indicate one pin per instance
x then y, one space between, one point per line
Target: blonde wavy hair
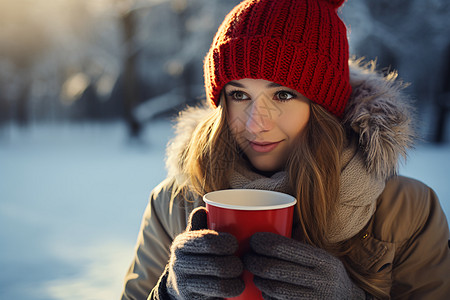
313 169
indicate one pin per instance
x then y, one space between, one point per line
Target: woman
290 113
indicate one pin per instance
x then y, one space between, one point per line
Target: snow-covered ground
71 199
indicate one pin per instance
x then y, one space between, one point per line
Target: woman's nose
260 115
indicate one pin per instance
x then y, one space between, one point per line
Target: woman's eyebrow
236 84
273 84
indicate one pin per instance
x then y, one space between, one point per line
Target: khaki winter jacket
406 240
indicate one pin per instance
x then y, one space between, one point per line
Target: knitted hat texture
300 44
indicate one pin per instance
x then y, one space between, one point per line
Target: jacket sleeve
421 268
161 222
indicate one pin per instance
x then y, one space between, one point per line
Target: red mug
242 212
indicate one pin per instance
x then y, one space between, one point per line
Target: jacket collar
381 116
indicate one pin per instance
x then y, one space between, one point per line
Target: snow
72 197
71 200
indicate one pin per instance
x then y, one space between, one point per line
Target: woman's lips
263 147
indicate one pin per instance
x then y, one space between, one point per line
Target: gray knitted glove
284 268
202 264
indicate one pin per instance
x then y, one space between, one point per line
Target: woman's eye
284 96
238 95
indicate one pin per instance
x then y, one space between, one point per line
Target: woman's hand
202 264
284 268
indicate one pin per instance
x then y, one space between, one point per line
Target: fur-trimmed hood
378 112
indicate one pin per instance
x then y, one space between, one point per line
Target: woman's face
265 118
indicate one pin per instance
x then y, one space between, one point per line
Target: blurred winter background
88 91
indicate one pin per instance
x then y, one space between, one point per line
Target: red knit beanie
300 44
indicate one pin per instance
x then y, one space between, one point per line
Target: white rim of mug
292 201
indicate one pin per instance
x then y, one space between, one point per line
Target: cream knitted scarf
358 192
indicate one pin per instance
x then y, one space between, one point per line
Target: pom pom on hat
300 44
